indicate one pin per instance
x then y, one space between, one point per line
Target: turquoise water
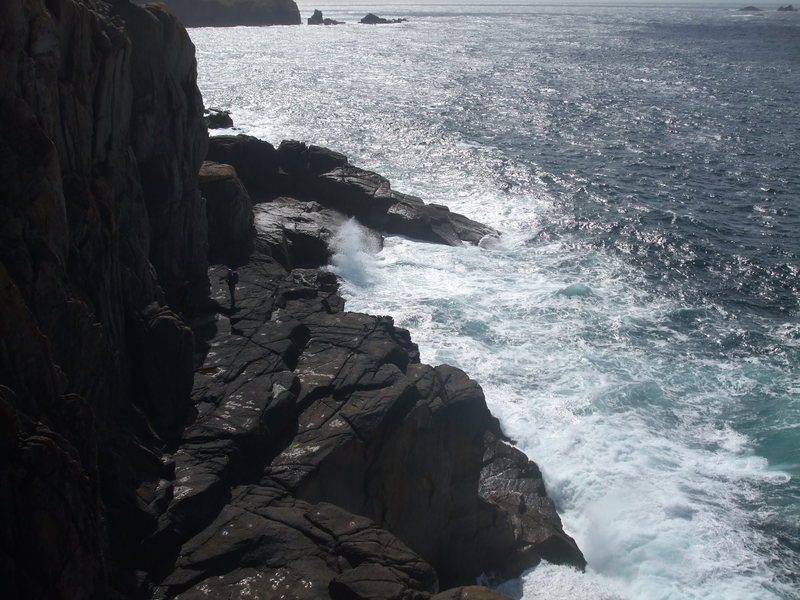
636 330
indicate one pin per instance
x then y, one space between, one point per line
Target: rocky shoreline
160 441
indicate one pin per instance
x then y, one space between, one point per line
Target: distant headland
229 13
787 8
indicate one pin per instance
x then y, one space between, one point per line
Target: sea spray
354 248
647 154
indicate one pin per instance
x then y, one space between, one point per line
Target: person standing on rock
232 278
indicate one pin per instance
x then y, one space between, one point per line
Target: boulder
515 486
218 119
369 197
403 443
299 160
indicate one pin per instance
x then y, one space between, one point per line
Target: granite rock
313 173
229 211
101 136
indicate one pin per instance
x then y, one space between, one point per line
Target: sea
636 328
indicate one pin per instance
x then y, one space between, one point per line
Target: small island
317 19
373 19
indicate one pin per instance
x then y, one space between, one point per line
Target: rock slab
309 172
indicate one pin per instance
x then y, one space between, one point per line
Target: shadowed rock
326 177
229 211
101 134
297 234
256 161
218 119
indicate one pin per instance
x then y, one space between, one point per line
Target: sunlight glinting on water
632 335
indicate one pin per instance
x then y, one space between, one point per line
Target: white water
608 379
651 489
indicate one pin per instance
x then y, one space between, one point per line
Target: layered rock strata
279 445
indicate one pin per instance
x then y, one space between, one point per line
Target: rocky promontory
229 13
160 438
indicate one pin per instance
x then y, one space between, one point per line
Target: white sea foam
617 386
649 480
354 249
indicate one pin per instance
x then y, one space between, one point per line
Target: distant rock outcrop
373 19
228 13
787 8
750 9
317 19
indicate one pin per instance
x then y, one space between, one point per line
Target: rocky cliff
228 13
157 439
101 138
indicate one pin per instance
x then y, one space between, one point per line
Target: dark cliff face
282 438
101 138
229 13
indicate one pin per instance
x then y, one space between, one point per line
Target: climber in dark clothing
232 278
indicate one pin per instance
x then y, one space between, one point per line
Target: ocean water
636 329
